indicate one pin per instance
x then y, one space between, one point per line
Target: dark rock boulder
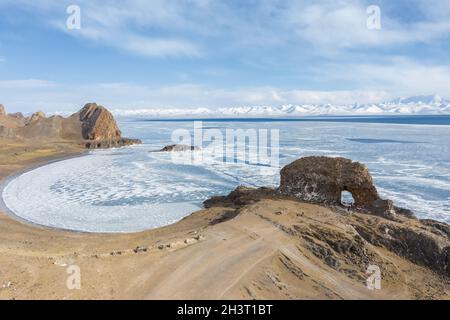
178 148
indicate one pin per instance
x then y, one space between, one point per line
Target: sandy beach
204 256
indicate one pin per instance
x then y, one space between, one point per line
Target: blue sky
213 53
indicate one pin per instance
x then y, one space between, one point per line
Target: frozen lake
133 189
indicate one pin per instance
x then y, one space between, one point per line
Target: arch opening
347 199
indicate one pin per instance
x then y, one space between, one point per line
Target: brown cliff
93 126
98 123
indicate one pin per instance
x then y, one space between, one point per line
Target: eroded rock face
416 241
2 110
100 129
323 179
98 123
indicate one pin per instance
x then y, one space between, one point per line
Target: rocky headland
370 225
92 127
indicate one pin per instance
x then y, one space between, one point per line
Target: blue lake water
133 189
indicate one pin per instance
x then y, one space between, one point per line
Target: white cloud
148 28
136 26
182 28
336 25
49 96
160 47
132 96
398 75
134 43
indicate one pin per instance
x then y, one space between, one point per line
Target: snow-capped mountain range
419 105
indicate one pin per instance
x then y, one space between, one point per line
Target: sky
220 53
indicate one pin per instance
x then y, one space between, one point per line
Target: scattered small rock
178 148
200 237
139 249
190 241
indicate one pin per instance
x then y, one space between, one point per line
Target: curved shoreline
8 179
4 183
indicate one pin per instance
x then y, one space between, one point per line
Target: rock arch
347 198
323 179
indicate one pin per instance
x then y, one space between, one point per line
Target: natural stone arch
323 179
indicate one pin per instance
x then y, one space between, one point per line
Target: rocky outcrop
179 148
416 241
323 179
10 121
100 129
93 126
36 117
98 123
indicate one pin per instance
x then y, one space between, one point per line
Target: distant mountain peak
417 105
